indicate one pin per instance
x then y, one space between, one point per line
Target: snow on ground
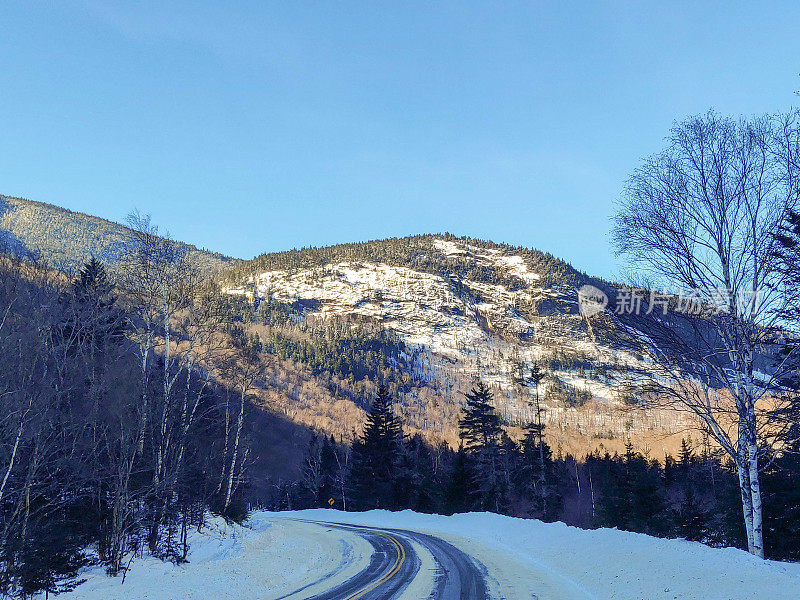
530 559
267 559
523 559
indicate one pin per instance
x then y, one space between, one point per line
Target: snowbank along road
394 565
329 554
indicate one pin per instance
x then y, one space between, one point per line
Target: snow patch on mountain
461 326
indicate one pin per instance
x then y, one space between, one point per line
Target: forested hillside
67 239
444 311
418 252
127 415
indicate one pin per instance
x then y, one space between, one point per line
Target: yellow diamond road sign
330 501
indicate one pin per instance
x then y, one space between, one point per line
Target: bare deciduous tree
242 370
701 216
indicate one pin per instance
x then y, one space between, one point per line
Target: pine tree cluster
693 496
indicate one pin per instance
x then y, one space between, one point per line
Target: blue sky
251 126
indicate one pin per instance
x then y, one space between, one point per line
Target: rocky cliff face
483 312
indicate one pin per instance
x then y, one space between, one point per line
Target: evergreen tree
633 495
479 426
538 479
480 431
319 470
375 457
94 320
693 519
416 487
51 560
457 493
329 465
92 281
782 486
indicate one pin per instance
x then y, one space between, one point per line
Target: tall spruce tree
537 471
632 495
693 518
482 436
538 476
376 455
319 472
92 281
95 320
782 482
479 426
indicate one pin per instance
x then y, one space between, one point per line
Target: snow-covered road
299 555
395 566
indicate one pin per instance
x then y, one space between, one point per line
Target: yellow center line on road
401 557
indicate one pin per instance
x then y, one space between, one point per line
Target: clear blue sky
246 127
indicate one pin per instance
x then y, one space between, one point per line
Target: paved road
458 576
394 564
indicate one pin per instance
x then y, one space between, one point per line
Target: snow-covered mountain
467 309
460 321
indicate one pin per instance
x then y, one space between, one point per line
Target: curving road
394 564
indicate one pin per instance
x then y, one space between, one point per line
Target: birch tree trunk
235 451
227 442
145 353
755 500
166 388
13 456
743 471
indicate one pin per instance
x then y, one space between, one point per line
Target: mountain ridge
428 313
67 238
463 309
